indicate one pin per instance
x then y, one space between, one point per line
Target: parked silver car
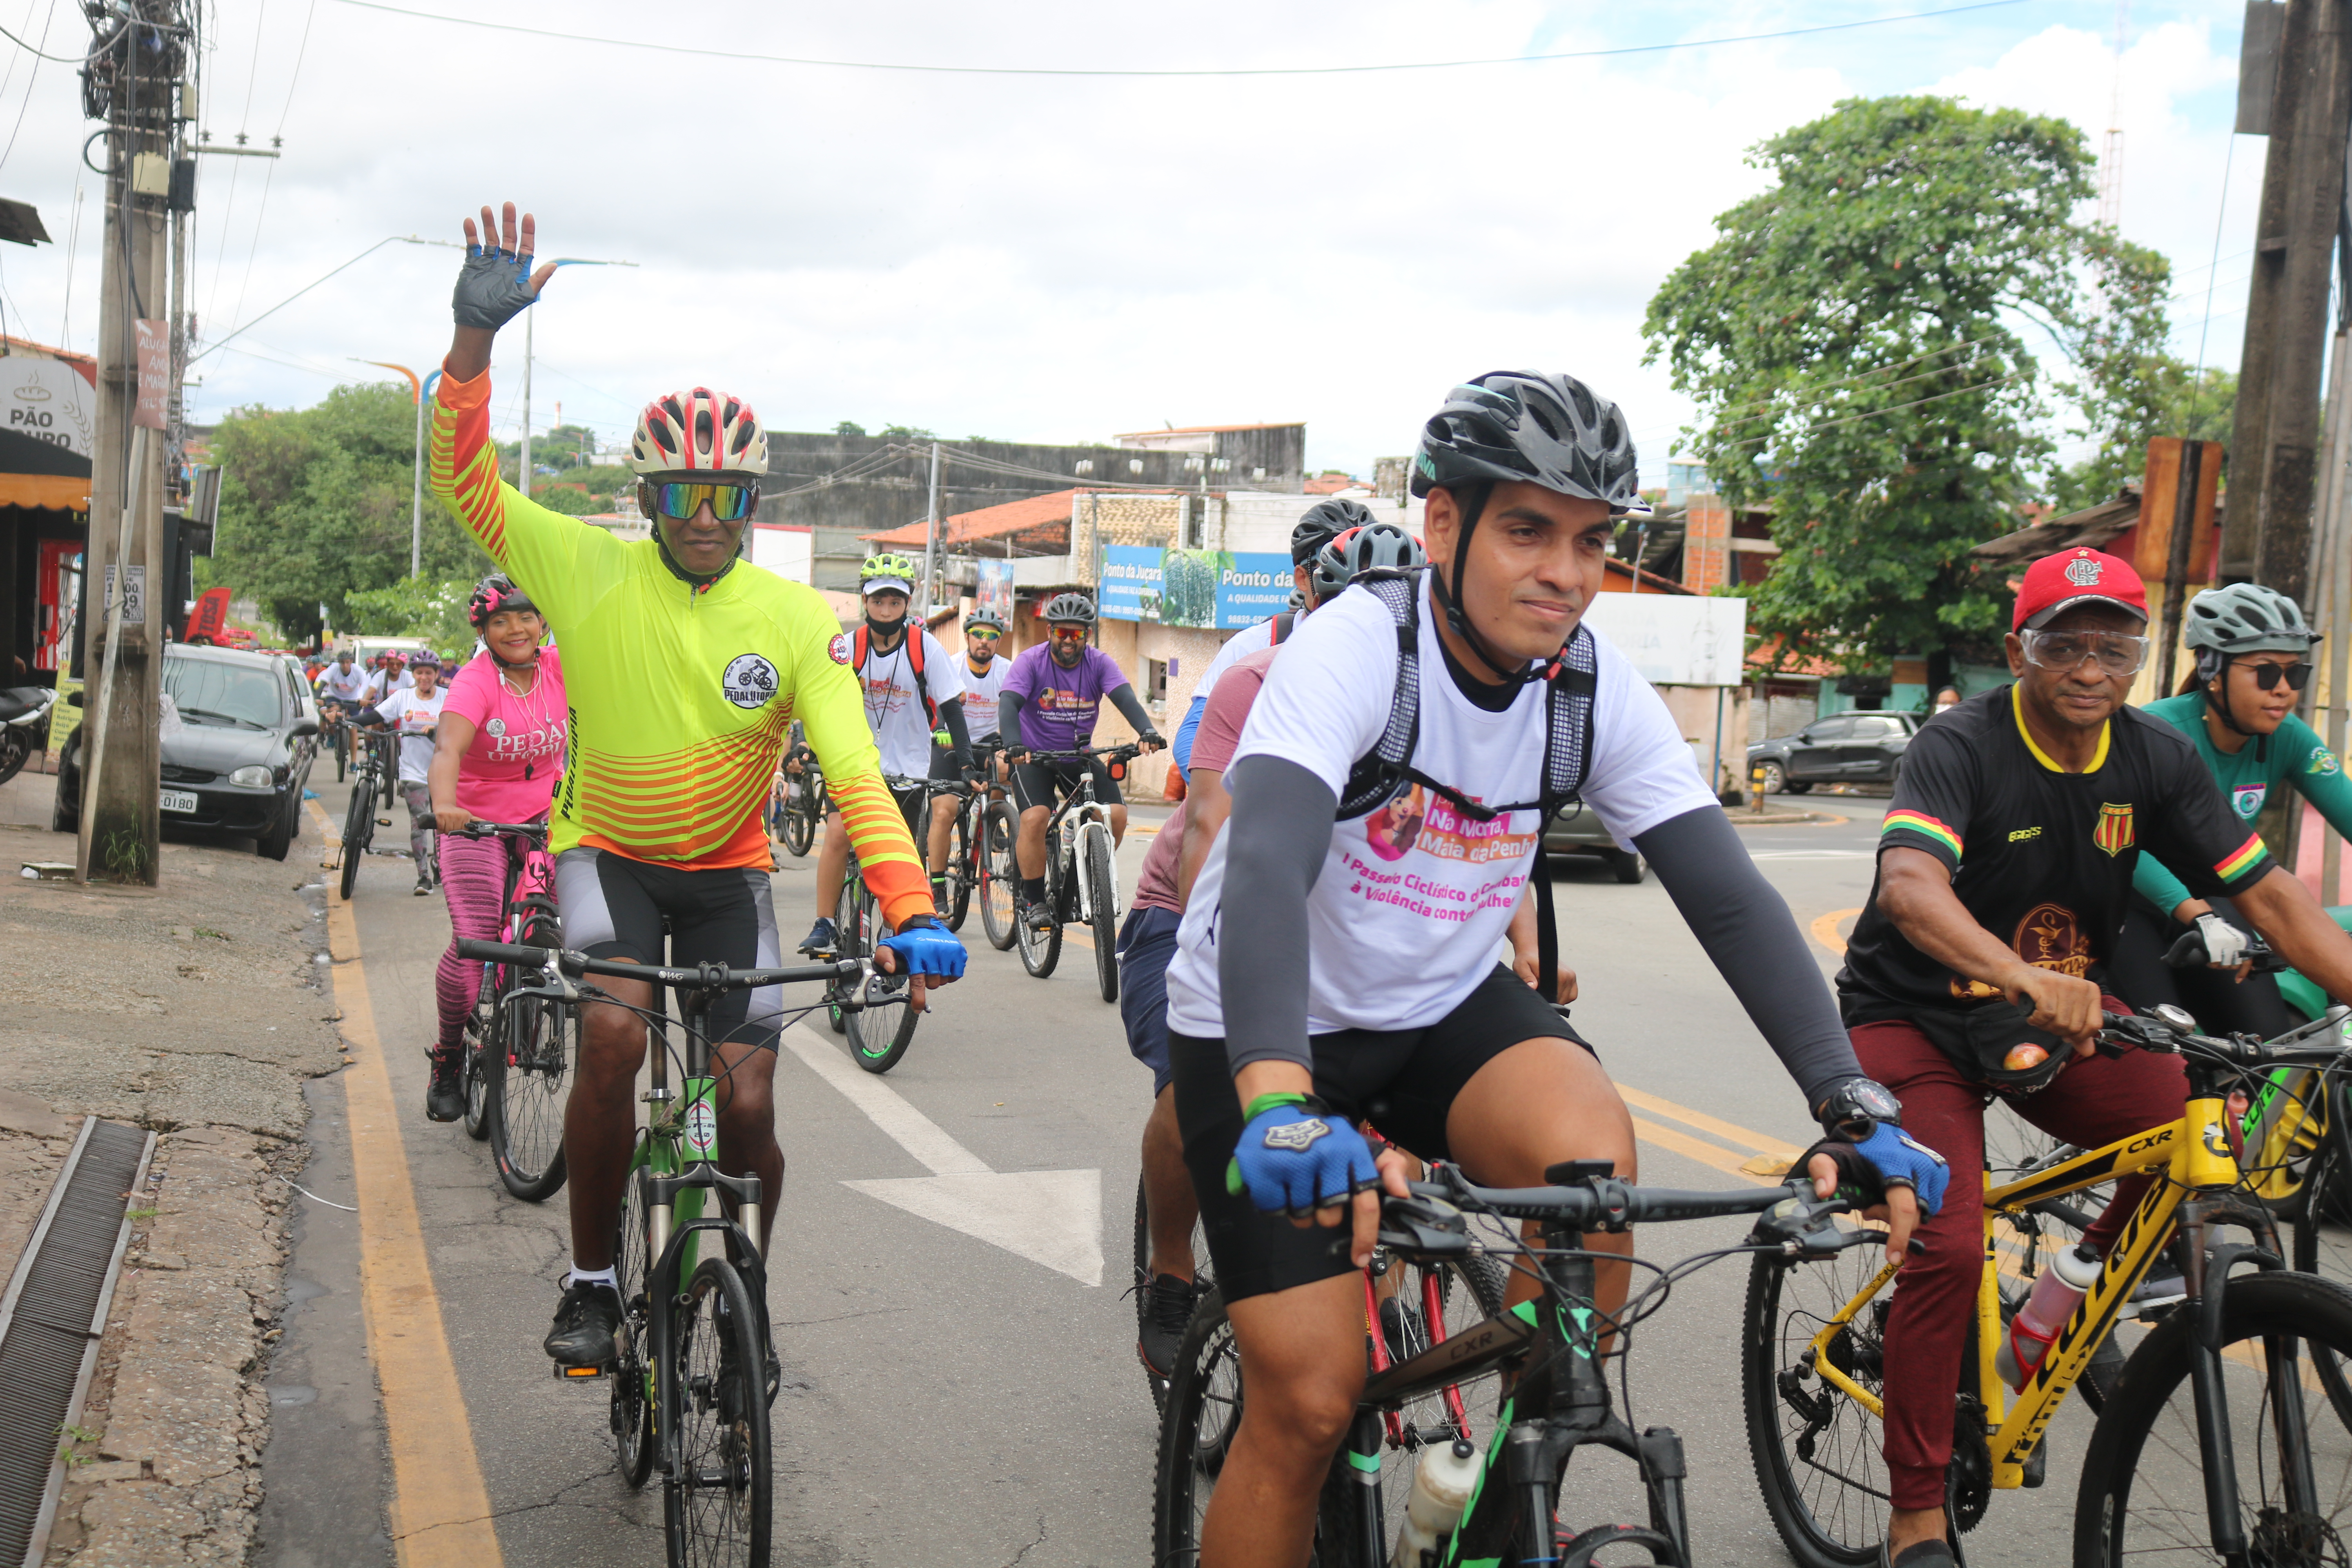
1576 831
1862 747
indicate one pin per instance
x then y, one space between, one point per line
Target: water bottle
2055 1296
1440 1491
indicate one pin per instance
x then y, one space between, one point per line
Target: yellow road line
1754 1142
1825 929
1705 1153
440 1508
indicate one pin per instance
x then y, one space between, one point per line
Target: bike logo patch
2323 761
497 727
2113 833
2247 799
838 649
702 1127
1295 1136
750 680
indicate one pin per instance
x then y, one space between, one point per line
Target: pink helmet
698 432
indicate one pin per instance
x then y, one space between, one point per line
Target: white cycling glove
2225 944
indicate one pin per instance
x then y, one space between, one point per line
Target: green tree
1857 342
849 427
419 606
2167 398
315 507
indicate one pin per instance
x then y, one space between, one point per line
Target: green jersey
2293 754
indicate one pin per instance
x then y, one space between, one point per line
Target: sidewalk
194 1009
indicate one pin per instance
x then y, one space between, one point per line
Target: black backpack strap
1282 627
1378 773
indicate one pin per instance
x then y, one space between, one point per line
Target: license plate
179 800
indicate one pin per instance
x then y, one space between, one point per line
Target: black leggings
2219 1005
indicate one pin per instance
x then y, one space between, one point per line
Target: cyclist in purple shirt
1048 704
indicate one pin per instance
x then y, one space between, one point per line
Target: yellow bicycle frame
2187 1164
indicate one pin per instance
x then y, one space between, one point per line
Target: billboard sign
1672 639
995 590
1206 588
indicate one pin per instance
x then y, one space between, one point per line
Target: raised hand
494 285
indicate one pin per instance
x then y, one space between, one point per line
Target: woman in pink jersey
500 751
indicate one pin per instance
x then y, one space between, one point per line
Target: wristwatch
1857 1104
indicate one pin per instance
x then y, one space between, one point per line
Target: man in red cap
2004 870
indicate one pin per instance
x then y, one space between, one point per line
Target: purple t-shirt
1058 706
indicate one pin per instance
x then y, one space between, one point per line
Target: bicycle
360 820
517 1072
859 929
801 806
1414 1399
1077 834
335 730
689 1379
1812 1354
968 868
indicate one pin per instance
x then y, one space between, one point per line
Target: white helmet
700 433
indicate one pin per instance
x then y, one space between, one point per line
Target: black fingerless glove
493 288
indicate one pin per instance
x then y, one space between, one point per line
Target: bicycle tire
477 1088
1042 950
1203 1279
1842 1524
1197 1424
879 1037
531 1086
960 863
718 1504
845 935
2326 1180
1102 895
1000 875
2151 1399
359 826
632 1404
800 818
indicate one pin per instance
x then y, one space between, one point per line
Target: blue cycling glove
1294 1157
927 948
1888 1157
493 288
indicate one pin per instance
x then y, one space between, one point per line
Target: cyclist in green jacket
2252 649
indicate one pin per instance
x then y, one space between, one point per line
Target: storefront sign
1206 588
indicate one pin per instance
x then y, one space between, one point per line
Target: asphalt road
949 1400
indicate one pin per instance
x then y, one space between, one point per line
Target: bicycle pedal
580 1373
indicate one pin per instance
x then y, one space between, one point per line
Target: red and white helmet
698 432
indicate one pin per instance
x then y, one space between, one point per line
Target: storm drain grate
50 1321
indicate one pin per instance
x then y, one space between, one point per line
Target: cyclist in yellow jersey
685 668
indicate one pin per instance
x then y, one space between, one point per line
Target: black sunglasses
2266 675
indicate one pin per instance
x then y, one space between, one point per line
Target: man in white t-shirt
345 681
1328 963
913 694
414 715
982 674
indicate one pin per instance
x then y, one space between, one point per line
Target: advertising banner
1673 640
994 591
1131 583
1251 588
1204 588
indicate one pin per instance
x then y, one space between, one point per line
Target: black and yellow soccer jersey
2042 859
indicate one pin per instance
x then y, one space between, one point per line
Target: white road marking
1813 855
1050 1217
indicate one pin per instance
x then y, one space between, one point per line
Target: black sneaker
424 885
1165 1314
1918 1554
821 941
582 1334
1039 916
445 1094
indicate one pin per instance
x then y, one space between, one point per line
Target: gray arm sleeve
1275 839
1130 708
1008 718
959 732
1745 928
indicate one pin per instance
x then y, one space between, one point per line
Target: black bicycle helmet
1069 607
1321 524
1360 550
492 595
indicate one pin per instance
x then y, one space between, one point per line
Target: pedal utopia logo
702 1127
750 682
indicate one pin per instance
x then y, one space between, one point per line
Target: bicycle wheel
959 869
477 1079
800 818
1102 895
847 940
999 874
1814 1448
1197 1424
531 1084
2143 1477
632 1405
879 1037
1041 949
2322 1245
1203 1279
359 826
715 1505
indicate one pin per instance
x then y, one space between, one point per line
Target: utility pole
141 55
2274 448
930 538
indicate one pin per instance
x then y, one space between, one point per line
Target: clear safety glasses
2116 653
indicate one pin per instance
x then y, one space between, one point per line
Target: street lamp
523 467
419 390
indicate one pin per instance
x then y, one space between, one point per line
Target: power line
61 59
1881 412
30 82
268 178
1249 71
244 123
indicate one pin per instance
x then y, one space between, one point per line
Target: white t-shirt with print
345 686
1404 917
412 717
980 694
902 730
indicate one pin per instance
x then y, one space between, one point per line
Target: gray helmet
1298 602
1069 608
2245 617
985 617
1374 546
1524 425
1321 524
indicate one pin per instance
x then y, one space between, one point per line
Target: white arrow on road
1053 1217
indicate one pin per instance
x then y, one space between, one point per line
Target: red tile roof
989 522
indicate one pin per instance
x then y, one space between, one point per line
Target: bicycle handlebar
1108 753
703 977
1431 1222
537 830
2177 1034
2188 953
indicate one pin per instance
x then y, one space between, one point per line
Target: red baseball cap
2056 583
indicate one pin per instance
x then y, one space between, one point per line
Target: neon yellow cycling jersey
681 698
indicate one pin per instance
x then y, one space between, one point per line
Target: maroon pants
2095 1100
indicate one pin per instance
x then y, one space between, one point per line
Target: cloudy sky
1057 259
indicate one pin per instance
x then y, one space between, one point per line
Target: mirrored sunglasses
729 503
986 633
1068 634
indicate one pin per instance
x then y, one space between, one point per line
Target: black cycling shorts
613 907
1035 782
1403 1081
